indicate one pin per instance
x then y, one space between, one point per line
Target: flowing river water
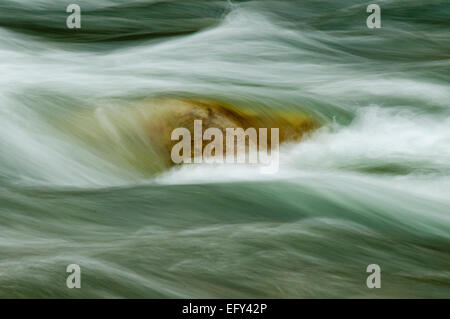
370 186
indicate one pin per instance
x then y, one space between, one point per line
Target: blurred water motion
80 183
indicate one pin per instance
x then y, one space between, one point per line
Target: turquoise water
371 186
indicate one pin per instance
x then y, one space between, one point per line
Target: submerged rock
139 134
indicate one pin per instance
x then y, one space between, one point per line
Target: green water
371 186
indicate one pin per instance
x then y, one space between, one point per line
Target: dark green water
371 186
